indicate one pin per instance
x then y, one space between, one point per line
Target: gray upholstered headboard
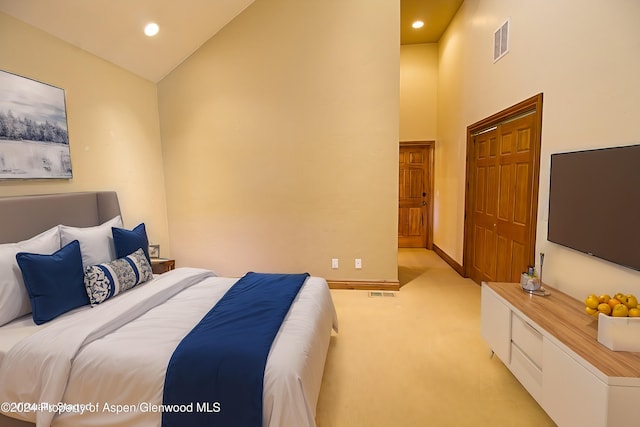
22 217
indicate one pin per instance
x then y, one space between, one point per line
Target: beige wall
112 118
418 92
280 142
582 56
280 135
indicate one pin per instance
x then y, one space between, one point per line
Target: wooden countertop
565 318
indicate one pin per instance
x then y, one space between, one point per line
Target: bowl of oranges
619 305
618 320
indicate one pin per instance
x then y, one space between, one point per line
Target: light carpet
417 359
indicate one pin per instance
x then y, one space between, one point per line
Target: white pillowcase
14 299
96 243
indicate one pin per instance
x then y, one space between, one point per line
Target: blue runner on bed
217 370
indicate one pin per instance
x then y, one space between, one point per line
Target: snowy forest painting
34 142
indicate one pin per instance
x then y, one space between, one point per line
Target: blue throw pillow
55 283
128 241
104 281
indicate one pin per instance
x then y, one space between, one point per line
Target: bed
105 365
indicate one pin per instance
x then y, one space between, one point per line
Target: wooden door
415 196
502 199
484 262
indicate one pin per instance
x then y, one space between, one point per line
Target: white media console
550 345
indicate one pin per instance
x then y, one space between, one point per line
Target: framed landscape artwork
34 142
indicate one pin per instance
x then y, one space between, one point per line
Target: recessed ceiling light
417 24
151 29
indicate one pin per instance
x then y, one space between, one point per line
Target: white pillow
14 299
96 243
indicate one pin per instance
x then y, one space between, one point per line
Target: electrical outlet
358 263
334 263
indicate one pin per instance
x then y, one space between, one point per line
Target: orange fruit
604 298
604 308
634 312
631 301
613 302
592 301
620 310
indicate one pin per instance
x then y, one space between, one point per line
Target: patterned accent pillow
104 281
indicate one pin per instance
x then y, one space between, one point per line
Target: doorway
415 195
503 167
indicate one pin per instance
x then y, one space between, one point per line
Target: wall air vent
381 294
501 41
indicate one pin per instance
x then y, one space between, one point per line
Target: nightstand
162 265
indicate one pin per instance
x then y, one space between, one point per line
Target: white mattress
127 366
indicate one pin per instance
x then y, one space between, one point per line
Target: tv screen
594 203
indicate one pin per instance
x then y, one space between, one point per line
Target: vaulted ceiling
112 29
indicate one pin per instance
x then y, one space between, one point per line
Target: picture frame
34 139
154 251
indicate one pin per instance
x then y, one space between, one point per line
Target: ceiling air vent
501 41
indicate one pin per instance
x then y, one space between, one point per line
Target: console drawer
527 339
529 375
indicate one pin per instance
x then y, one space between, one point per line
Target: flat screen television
594 203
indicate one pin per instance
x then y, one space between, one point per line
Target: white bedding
116 354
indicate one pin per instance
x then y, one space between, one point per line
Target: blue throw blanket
215 376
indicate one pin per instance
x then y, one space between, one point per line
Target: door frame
430 147
527 106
